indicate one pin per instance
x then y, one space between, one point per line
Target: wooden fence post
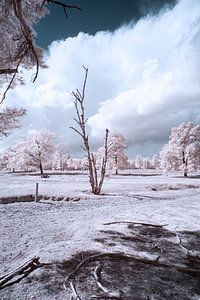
36 192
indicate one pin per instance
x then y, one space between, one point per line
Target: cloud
143 79
167 92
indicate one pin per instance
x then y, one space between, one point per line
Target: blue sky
96 15
143 73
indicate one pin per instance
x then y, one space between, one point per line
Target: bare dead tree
96 177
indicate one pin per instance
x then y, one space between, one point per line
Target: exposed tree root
74 296
135 223
29 266
121 256
83 262
117 295
108 294
20 272
193 256
74 292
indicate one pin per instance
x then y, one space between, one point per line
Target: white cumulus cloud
167 90
143 79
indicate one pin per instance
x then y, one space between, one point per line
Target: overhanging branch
8 71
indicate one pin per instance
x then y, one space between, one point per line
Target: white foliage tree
74 164
139 162
193 152
10 119
39 149
170 159
17 45
34 151
131 164
60 157
18 38
182 151
16 157
154 162
2 163
117 159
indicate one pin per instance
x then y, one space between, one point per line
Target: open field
63 233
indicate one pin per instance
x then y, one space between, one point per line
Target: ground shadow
153 266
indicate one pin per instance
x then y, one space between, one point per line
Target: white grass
56 230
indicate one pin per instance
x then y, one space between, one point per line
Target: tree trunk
41 170
116 163
185 164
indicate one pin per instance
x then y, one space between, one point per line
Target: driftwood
20 271
135 223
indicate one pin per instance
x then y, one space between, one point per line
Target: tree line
39 152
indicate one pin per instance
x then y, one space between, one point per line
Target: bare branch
83 148
76 131
8 71
8 87
28 34
79 94
11 81
63 5
84 84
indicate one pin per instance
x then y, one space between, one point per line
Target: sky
143 60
